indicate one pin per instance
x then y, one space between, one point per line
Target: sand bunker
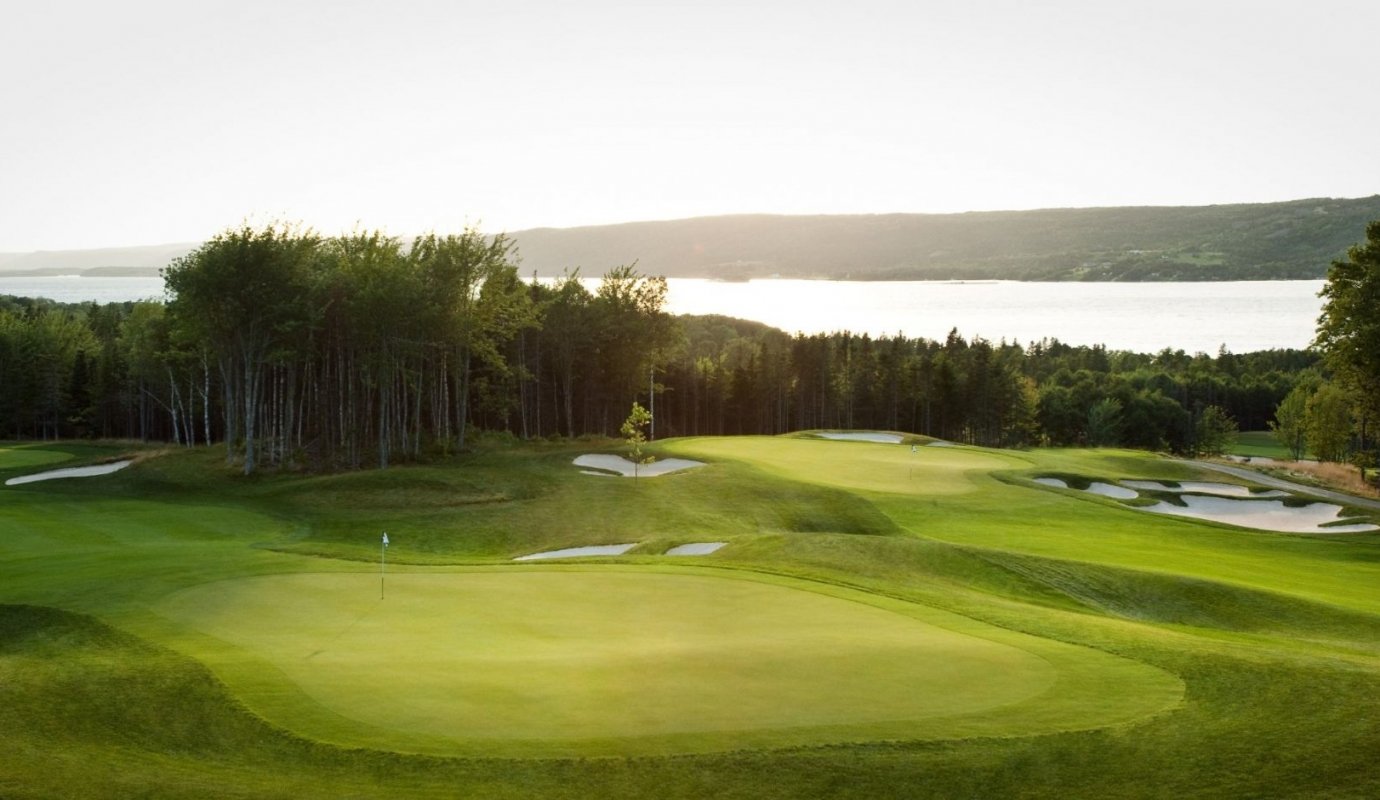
1232 505
1205 487
862 436
577 552
695 549
1096 487
624 467
70 472
1265 515
690 549
1108 490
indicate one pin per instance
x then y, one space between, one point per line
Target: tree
1349 328
143 339
566 330
246 290
483 305
1057 415
383 310
638 419
1290 424
1104 423
632 332
1329 422
1214 431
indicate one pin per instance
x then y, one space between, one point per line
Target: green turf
1259 444
865 466
18 459
130 664
625 660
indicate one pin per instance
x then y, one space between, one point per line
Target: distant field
882 623
1259 444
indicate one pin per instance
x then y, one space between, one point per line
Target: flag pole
383 562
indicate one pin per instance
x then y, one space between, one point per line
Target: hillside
1292 240
1262 241
107 261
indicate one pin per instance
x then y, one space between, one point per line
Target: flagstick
383 562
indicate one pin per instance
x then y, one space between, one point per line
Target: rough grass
1273 636
1341 477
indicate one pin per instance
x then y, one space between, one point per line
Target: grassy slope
1273 635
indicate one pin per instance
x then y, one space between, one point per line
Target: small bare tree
638 419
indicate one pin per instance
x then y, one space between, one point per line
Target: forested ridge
323 353
1249 241
1256 241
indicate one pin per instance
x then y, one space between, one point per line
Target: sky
147 122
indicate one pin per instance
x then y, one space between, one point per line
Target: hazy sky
144 122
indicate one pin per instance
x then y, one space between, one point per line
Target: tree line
361 350
736 377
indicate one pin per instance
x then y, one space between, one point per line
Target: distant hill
109 261
1291 240
1259 241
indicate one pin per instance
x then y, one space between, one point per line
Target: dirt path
1297 488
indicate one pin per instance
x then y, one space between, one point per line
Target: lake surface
1144 317
1243 316
81 289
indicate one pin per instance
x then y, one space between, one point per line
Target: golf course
884 619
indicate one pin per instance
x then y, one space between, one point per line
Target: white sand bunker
624 467
578 552
1096 487
690 549
1265 515
1205 487
70 472
1234 509
861 436
1114 492
695 549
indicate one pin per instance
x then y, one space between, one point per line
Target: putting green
22 457
866 466
589 661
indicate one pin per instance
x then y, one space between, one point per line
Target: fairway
547 662
865 466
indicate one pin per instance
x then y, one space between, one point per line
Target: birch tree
247 290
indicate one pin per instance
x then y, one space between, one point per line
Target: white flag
385 539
